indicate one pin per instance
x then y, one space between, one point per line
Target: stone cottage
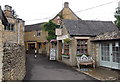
35 37
107 49
65 13
80 32
12 52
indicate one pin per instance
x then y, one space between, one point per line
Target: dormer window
10 27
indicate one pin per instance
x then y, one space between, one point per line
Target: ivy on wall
50 28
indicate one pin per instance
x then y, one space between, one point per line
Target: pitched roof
3 18
33 27
66 13
88 27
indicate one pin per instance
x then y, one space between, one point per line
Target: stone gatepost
1 50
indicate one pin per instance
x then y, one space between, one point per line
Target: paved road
43 69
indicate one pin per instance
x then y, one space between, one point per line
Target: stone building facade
81 33
65 13
106 48
12 52
35 38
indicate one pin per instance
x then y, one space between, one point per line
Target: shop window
82 46
116 52
66 48
105 52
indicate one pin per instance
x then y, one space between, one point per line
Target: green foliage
67 40
79 55
50 27
54 43
117 21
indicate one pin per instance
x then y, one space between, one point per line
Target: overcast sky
36 11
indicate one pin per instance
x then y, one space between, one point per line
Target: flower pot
65 56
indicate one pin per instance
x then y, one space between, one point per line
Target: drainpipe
18 31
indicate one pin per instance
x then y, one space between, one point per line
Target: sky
37 11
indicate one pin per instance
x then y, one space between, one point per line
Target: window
105 52
82 47
66 48
10 27
38 33
116 52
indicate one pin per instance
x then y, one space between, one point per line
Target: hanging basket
67 40
53 42
66 56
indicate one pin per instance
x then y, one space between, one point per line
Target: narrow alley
44 69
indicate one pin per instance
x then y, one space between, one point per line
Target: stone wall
108 36
115 35
32 36
1 50
13 62
12 52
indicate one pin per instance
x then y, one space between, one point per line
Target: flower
82 54
62 52
67 54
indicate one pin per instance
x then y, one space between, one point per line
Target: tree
117 16
117 21
50 27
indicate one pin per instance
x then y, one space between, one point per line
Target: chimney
66 5
7 7
8 11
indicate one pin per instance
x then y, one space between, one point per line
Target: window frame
82 46
10 27
38 34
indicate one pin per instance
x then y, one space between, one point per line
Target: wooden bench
84 60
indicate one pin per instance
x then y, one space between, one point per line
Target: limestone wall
12 52
96 45
32 36
1 50
13 62
108 36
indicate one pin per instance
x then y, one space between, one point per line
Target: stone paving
43 69
101 73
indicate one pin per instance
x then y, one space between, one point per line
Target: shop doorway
31 47
60 50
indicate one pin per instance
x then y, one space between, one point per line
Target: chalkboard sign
52 54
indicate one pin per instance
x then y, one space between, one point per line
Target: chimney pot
66 5
7 7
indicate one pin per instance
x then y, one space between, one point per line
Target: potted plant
66 55
67 40
79 55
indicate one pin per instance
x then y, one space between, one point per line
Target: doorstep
100 73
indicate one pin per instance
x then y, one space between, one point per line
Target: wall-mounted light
116 44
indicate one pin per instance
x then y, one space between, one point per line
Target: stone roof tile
88 27
33 27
